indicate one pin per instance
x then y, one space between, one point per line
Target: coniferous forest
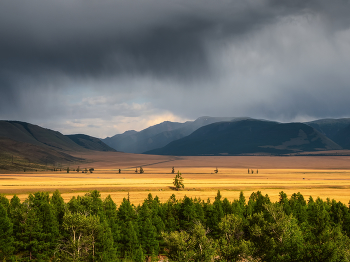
88 228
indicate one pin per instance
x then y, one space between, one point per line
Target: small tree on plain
67 169
173 170
248 171
178 181
78 169
216 170
120 171
136 170
141 170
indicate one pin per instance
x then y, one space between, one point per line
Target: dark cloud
270 59
113 37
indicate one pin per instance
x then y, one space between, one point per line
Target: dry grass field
323 176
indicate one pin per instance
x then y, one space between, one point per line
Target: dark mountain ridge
248 137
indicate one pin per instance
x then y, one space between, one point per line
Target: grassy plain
319 176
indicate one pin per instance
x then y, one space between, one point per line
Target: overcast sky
104 67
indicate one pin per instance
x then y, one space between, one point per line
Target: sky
103 67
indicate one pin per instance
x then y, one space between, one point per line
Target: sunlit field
200 182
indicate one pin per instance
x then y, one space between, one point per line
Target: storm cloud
102 67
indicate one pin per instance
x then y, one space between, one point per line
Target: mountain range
160 135
204 136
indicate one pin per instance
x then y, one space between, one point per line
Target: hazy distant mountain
249 136
136 142
90 142
330 127
159 135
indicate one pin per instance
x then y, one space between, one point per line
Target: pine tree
214 213
299 207
46 214
187 213
110 211
4 201
6 235
129 239
178 181
30 238
105 249
139 256
285 203
15 214
126 212
148 237
148 232
58 205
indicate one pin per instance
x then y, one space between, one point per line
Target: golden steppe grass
317 176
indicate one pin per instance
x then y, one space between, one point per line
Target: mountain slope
36 135
159 135
330 127
26 153
90 142
34 144
342 137
136 142
249 136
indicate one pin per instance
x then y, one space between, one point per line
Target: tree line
88 228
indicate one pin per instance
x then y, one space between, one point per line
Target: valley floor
318 176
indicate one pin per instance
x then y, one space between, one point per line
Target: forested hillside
44 228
